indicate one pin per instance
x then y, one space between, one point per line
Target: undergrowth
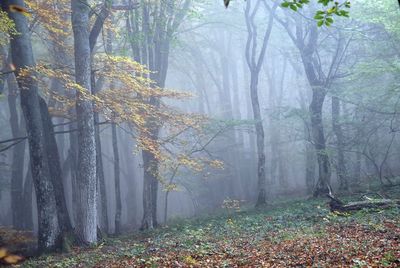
287 234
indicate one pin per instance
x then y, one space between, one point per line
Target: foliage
124 99
325 16
52 17
7 28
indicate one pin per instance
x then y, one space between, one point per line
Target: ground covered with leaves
291 234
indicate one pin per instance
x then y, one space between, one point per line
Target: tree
17 168
154 28
254 63
22 58
86 225
320 75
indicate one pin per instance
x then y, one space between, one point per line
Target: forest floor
287 234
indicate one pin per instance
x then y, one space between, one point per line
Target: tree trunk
55 169
310 167
118 207
150 171
155 47
337 205
22 56
17 165
166 207
73 163
95 88
262 187
86 225
154 193
4 58
254 63
27 197
100 176
317 129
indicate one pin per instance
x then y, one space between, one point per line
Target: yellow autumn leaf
13 259
3 252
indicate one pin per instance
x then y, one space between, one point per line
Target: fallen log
337 205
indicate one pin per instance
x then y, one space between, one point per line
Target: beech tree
22 57
86 225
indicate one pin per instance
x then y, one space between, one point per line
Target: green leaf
331 10
293 7
319 23
324 2
285 4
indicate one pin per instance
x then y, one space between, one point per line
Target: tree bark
27 197
118 207
73 152
310 167
86 225
262 187
22 57
317 130
100 176
150 171
55 170
94 33
18 158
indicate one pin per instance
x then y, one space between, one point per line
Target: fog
248 105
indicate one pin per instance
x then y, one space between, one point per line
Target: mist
121 117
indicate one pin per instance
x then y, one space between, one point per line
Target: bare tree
254 61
